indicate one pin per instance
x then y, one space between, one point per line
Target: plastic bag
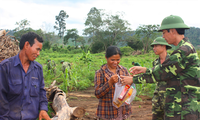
132 96
123 94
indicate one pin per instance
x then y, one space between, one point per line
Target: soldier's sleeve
63 68
137 64
169 69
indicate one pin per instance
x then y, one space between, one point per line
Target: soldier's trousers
158 104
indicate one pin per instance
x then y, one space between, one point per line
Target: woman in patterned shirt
105 79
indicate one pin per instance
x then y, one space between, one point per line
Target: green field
83 71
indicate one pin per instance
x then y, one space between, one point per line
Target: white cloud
154 11
137 12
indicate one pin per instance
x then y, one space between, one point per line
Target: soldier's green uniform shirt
49 65
160 85
158 100
65 66
181 71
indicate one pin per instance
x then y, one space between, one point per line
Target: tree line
101 30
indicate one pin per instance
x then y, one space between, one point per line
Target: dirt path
87 100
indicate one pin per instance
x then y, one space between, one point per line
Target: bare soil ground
87 100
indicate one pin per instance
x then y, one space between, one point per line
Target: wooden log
61 107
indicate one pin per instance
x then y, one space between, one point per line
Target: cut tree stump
62 109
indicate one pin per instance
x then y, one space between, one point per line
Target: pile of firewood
9 46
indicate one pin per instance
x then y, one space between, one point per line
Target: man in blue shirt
22 94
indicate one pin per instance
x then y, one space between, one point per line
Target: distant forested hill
194 35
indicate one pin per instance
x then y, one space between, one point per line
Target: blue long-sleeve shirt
22 94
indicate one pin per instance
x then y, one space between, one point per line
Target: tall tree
117 28
147 33
94 22
60 23
134 42
22 25
21 28
81 40
105 28
71 34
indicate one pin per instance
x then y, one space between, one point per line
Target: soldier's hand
126 80
137 70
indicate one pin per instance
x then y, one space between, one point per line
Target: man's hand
137 70
43 115
126 80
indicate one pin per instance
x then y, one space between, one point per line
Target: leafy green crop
83 68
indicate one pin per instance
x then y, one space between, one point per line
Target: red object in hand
123 93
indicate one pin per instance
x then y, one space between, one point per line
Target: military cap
161 41
48 59
136 64
171 22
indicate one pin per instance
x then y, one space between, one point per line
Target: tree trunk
60 105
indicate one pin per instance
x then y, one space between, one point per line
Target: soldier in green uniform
54 67
48 64
160 47
51 66
181 71
135 64
66 65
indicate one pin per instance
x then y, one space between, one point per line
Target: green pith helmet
61 61
171 22
48 60
161 41
136 64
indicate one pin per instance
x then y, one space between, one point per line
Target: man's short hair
30 36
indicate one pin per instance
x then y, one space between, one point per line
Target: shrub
97 47
55 47
75 51
127 50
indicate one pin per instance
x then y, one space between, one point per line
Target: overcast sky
41 13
